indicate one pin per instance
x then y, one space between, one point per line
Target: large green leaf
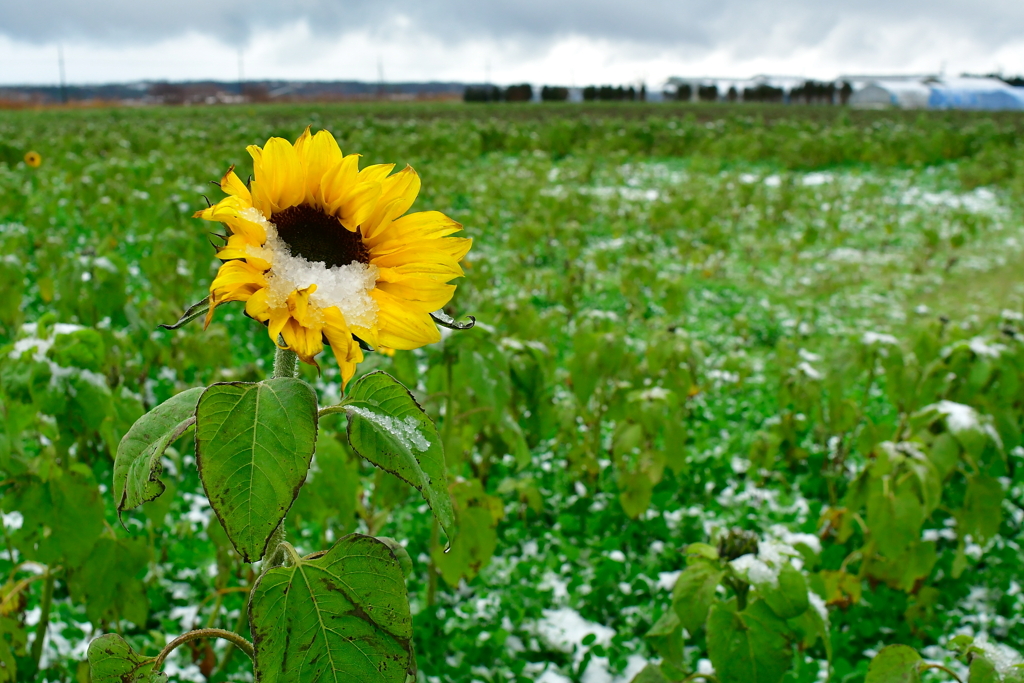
895 664
109 584
137 467
666 638
63 516
112 660
895 518
788 599
387 427
343 616
331 490
477 515
650 674
982 511
254 443
693 593
749 646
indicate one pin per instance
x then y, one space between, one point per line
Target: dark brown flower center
315 236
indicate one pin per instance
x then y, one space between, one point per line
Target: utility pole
63 80
241 75
380 77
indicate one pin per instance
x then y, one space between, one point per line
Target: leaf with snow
389 428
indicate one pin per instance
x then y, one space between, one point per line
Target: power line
63 80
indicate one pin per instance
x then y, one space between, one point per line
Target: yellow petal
367 334
301 141
419 294
229 212
232 185
338 182
433 264
234 274
298 303
234 249
401 326
414 227
260 199
345 349
320 155
358 205
235 281
257 306
276 320
401 188
381 218
304 341
376 173
280 175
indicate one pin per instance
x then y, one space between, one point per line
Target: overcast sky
570 42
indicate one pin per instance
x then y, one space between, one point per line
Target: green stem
275 548
330 410
286 363
237 640
292 558
925 667
230 649
44 618
706 677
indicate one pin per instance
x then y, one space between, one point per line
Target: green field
801 322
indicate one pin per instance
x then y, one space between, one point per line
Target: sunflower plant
322 253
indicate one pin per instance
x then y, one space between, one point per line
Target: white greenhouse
938 93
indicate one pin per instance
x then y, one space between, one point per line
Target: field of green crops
744 401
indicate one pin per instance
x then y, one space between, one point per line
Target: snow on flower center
346 286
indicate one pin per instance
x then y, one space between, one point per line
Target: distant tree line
608 93
493 93
552 93
1017 81
808 92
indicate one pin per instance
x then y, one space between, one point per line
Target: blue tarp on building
975 93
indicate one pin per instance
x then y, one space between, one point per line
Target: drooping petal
345 349
298 303
257 306
304 341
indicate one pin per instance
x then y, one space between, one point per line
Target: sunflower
33 159
323 252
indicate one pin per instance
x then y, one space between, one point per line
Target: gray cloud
745 26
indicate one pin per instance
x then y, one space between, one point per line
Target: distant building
889 94
934 92
975 93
